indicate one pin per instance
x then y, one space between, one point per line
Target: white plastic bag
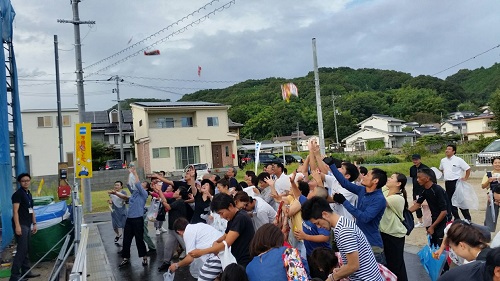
465 197
153 210
168 276
226 257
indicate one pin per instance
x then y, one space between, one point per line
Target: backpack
406 220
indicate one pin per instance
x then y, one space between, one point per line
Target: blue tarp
51 211
7 17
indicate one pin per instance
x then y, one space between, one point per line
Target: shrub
381 160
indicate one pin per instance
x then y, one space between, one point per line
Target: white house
170 135
454 126
299 138
41 139
379 127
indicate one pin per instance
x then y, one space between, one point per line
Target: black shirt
468 272
233 183
241 223
201 207
436 198
178 210
413 175
25 201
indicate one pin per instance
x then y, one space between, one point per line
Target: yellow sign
83 151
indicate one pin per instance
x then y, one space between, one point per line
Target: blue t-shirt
311 229
268 266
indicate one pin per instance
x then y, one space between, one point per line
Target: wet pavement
136 271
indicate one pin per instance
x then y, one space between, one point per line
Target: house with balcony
380 129
480 125
41 139
170 135
105 129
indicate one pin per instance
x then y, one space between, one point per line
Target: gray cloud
250 40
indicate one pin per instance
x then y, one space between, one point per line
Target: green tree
100 153
495 108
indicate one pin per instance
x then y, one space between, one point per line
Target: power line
151 87
153 35
176 80
179 31
471 58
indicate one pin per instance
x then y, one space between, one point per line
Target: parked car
201 169
486 155
114 164
291 158
264 158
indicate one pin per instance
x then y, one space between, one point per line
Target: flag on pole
287 90
257 152
199 71
40 186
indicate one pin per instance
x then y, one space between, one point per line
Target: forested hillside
425 99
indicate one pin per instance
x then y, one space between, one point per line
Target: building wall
140 130
42 144
478 125
376 123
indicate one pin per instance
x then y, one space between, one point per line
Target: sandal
144 262
117 238
124 263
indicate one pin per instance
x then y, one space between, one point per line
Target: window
165 122
66 120
187 122
227 151
116 139
161 152
140 123
45 122
213 121
186 155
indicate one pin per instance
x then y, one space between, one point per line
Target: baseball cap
415 156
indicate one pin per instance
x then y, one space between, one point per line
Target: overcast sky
251 39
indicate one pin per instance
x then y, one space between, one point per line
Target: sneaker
158 232
182 255
163 230
419 224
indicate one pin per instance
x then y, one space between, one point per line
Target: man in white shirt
282 183
351 173
196 236
453 167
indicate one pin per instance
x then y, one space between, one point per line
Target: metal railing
469 158
79 270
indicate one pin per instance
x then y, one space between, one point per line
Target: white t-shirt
453 167
262 214
200 236
335 187
282 184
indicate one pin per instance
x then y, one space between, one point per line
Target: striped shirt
350 239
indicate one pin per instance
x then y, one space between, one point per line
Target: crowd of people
327 220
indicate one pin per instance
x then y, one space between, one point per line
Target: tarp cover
7 17
51 211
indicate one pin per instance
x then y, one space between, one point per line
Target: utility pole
117 91
58 94
81 99
318 100
335 119
78 57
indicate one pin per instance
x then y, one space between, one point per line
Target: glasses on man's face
26 181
